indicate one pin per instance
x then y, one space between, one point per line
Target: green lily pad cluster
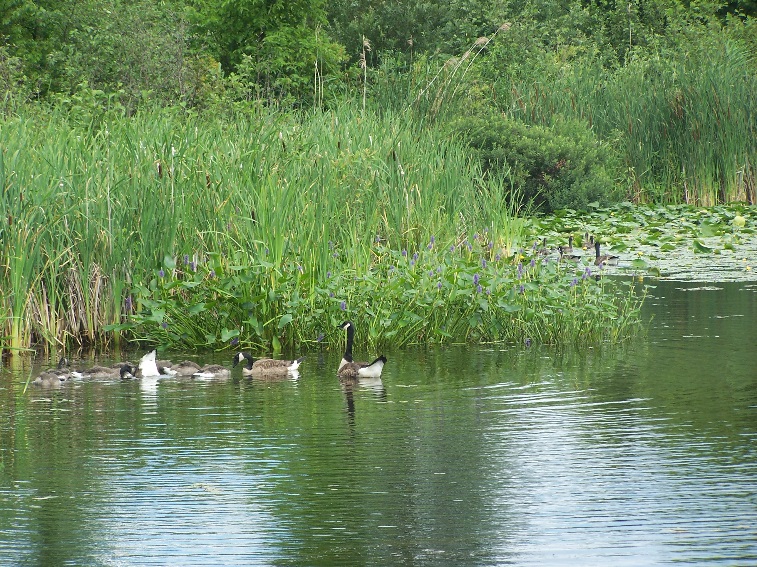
680 241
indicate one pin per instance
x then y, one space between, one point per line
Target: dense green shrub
562 166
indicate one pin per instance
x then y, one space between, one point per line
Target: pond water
641 454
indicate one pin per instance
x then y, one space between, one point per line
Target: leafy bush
14 88
562 166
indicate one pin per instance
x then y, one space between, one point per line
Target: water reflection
634 455
373 386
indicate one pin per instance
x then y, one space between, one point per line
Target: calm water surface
644 454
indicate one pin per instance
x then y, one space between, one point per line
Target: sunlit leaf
285 320
228 334
700 247
197 308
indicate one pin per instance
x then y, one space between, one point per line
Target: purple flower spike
528 342
483 263
475 279
479 289
235 341
186 259
404 252
328 274
497 258
162 273
412 262
452 248
415 256
266 251
127 303
331 294
193 266
212 273
439 285
319 338
533 262
522 289
343 306
574 283
164 325
431 273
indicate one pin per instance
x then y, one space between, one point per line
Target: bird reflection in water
350 386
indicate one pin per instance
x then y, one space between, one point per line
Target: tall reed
94 206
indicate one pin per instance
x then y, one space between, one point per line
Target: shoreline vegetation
299 227
249 202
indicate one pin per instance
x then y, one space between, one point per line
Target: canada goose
212 371
566 249
588 241
101 371
62 370
543 251
128 371
165 367
47 380
147 367
606 259
185 368
266 365
565 257
54 376
350 369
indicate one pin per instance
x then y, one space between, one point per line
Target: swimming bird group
149 367
588 243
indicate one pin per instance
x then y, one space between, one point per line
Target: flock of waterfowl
149 367
567 254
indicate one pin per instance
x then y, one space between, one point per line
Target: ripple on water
635 455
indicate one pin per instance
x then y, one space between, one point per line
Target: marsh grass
174 230
92 205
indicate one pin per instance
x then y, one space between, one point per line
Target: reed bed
100 214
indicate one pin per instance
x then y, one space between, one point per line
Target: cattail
451 62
